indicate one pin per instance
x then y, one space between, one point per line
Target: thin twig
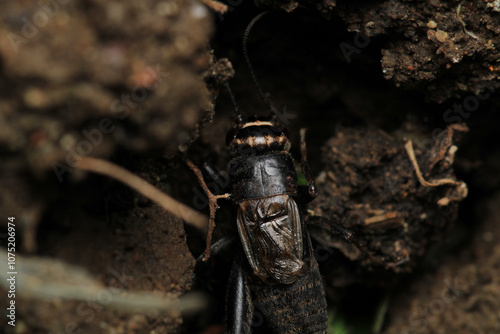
381 218
433 183
107 168
471 34
212 205
216 6
461 186
42 278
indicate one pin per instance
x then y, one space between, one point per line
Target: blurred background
138 83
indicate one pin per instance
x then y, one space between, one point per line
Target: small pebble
431 24
441 35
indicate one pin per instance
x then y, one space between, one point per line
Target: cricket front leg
311 192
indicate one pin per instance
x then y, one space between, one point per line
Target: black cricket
284 282
280 276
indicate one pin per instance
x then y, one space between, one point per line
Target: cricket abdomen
299 307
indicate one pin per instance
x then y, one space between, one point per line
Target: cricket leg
312 191
239 306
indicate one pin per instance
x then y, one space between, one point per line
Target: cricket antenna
233 100
269 107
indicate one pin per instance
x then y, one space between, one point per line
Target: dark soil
134 83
